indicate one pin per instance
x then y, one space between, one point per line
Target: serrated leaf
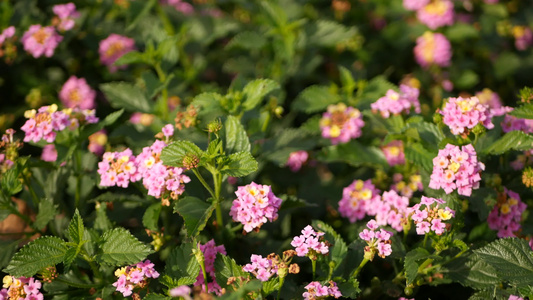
472 272
256 90
514 140
270 285
314 99
168 50
120 247
226 267
417 154
76 229
411 265
430 134
195 213
236 137
247 40
240 164
173 154
110 119
373 90
126 95
353 153
7 249
278 148
209 102
350 288
102 222
132 57
37 255
328 33
10 183
47 212
70 256
512 259
347 80
523 112
338 249
182 263
151 216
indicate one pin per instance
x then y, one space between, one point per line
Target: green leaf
523 112
151 216
173 154
314 99
348 83
236 137
514 140
429 134
10 183
110 119
47 212
247 40
102 222
328 33
473 272
37 255
154 296
411 265
70 256
461 31
226 267
506 64
420 156
140 13
120 247
76 229
271 285
373 90
338 249
353 153
209 102
7 249
256 90
126 95
350 288
168 50
512 259
182 264
133 57
195 212
279 148
240 164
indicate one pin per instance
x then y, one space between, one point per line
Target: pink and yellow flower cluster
134 276
340 123
396 103
428 216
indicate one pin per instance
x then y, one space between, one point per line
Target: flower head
436 13
463 114
112 48
506 215
358 200
429 215
40 40
21 288
77 93
210 251
315 290
309 243
66 15
378 242
134 277
391 210
340 123
433 49
297 159
255 205
395 103
394 153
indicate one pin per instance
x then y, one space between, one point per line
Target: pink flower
210 251
437 13
433 49
49 153
315 290
429 215
77 93
463 114
297 159
394 153
97 142
506 215
259 202
40 40
168 130
396 103
66 13
181 291
414 4
513 297
523 37
7 33
391 210
340 123
377 241
308 244
179 5
112 48
134 276
358 200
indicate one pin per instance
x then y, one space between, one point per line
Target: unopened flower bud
479 129
527 177
190 161
214 126
437 118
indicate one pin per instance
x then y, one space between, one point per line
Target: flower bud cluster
134 276
357 199
378 241
395 103
340 123
391 210
264 267
255 205
507 214
315 291
456 168
44 123
210 251
463 114
15 288
309 243
428 216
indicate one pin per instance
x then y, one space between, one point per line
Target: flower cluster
429 217
112 48
507 214
357 198
48 120
394 153
523 37
436 13
264 267
315 290
97 142
340 123
65 16
255 205
463 114
297 159
405 188
391 210
21 288
134 276
7 33
49 153
395 103
378 241
7 47
118 168
181 291
433 49
456 168
210 251
514 297
77 93
511 123
309 243
39 40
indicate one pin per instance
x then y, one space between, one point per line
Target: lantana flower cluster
112 48
77 93
134 276
310 243
340 123
456 168
44 123
66 15
39 40
394 153
428 216
397 102
357 198
15 288
210 250
506 215
315 290
463 114
433 49
391 210
255 205
407 188
432 13
8 50
265 267
512 123
523 37
377 241
297 159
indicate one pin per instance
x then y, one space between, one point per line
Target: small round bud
408 290
527 177
278 111
479 129
437 118
214 126
190 161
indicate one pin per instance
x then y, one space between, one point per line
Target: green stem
77 196
361 265
93 266
169 28
217 179
204 183
204 272
313 264
426 263
164 93
281 281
